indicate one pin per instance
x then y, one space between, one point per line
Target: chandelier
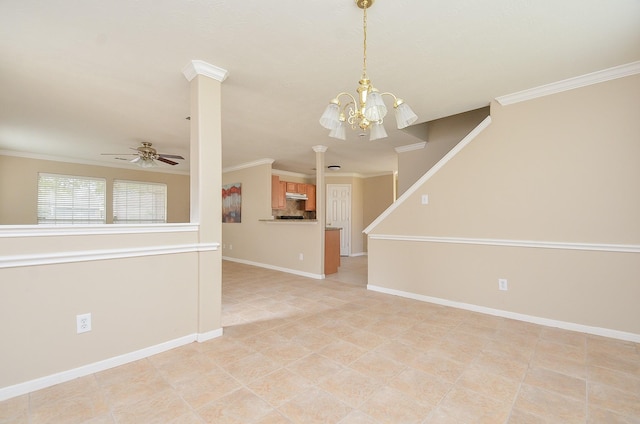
368 112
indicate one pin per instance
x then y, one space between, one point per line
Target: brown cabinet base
331 251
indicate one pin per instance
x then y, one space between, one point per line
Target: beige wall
442 135
274 244
279 244
563 169
135 302
377 197
19 187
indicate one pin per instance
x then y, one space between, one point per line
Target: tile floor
297 350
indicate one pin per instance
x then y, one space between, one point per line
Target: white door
339 213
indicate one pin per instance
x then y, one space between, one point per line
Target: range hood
295 196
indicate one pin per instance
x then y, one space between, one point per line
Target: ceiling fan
147 155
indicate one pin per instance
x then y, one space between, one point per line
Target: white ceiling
84 77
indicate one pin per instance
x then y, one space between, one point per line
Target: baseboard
598 331
209 335
275 268
64 376
359 254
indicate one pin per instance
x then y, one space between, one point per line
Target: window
139 203
64 199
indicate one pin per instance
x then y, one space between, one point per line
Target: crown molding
200 67
291 173
123 165
246 165
410 147
571 83
380 174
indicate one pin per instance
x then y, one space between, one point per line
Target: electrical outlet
83 323
231 247
502 284
301 256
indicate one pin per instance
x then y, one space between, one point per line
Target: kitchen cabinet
278 189
292 187
331 250
310 203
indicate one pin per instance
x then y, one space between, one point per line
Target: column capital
200 67
319 148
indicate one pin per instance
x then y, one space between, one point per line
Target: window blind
66 199
136 202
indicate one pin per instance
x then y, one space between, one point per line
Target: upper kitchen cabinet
278 193
292 187
310 203
303 194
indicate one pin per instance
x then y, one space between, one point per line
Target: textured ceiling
83 77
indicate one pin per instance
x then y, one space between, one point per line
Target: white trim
282 173
600 247
598 331
90 230
358 254
571 83
209 335
275 268
332 174
430 173
96 255
259 162
289 221
200 67
61 377
380 174
107 164
410 147
320 148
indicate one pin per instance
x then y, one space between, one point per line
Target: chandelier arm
395 99
344 109
344 93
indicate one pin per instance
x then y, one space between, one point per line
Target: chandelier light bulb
330 117
404 114
377 131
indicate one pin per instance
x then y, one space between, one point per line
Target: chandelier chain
364 27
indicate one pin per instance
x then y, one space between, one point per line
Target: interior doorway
339 213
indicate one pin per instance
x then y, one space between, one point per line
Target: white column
321 195
205 185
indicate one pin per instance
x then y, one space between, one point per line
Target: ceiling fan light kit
368 112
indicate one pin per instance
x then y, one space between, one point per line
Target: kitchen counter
289 221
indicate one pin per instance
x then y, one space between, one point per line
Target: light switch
425 199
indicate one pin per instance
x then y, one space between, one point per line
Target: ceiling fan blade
165 160
170 156
135 160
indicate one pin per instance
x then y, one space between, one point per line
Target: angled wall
547 197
